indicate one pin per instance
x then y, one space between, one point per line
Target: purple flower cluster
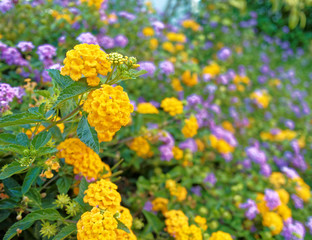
6 5
165 150
7 94
251 207
25 46
272 199
166 67
12 56
293 230
149 67
224 53
211 179
46 52
88 38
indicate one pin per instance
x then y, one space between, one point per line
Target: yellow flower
273 221
125 216
213 69
277 179
228 126
97 225
147 108
220 145
153 43
176 85
176 190
86 60
160 204
177 153
96 3
200 145
103 194
105 136
188 79
190 128
175 221
148 32
262 98
48 174
109 109
261 204
141 146
189 23
85 161
201 222
168 46
283 195
172 105
176 37
284 211
220 236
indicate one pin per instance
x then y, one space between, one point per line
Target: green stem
110 74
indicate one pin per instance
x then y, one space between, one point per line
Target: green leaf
28 221
79 199
153 223
11 169
62 81
73 90
44 93
41 139
46 150
7 204
88 135
22 139
34 196
66 231
4 215
13 148
30 178
122 226
63 184
19 119
8 138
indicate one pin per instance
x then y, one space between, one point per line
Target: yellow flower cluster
85 161
262 98
97 225
176 190
148 32
190 128
103 194
31 131
176 85
172 105
189 79
96 3
239 81
282 135
153 43
86 60
220 236
147 108
302 189
201 222
52 164
141 146
220 145
213 69
176 37
160 204
177 153
66 16
273 221
109 109
105 136
178 227
190 23
228 126
277 179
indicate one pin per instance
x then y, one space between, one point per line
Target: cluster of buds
51 164
28 158
116 58
71 207
131 62
48 229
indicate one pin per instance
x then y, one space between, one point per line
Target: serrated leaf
153 223
8 138
88 135
30 178
79 199
11 169
65 231
13 148
28 221
60 80
19 119
34 196
139 73
41 139
44 93
22 139
7 204
46 150
63 184
73 90
122 226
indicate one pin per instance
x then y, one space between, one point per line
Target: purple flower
272 199
121 41
166 153
297 201
256 155
87 38
106 42
291 173
158 25
196 190
251 207
293 231
189 144
7 94
25 46
127 15
265 170
211 178
193 100
309 224
148 206
166 67
13 57
149 67
224 53
46 52
6 5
